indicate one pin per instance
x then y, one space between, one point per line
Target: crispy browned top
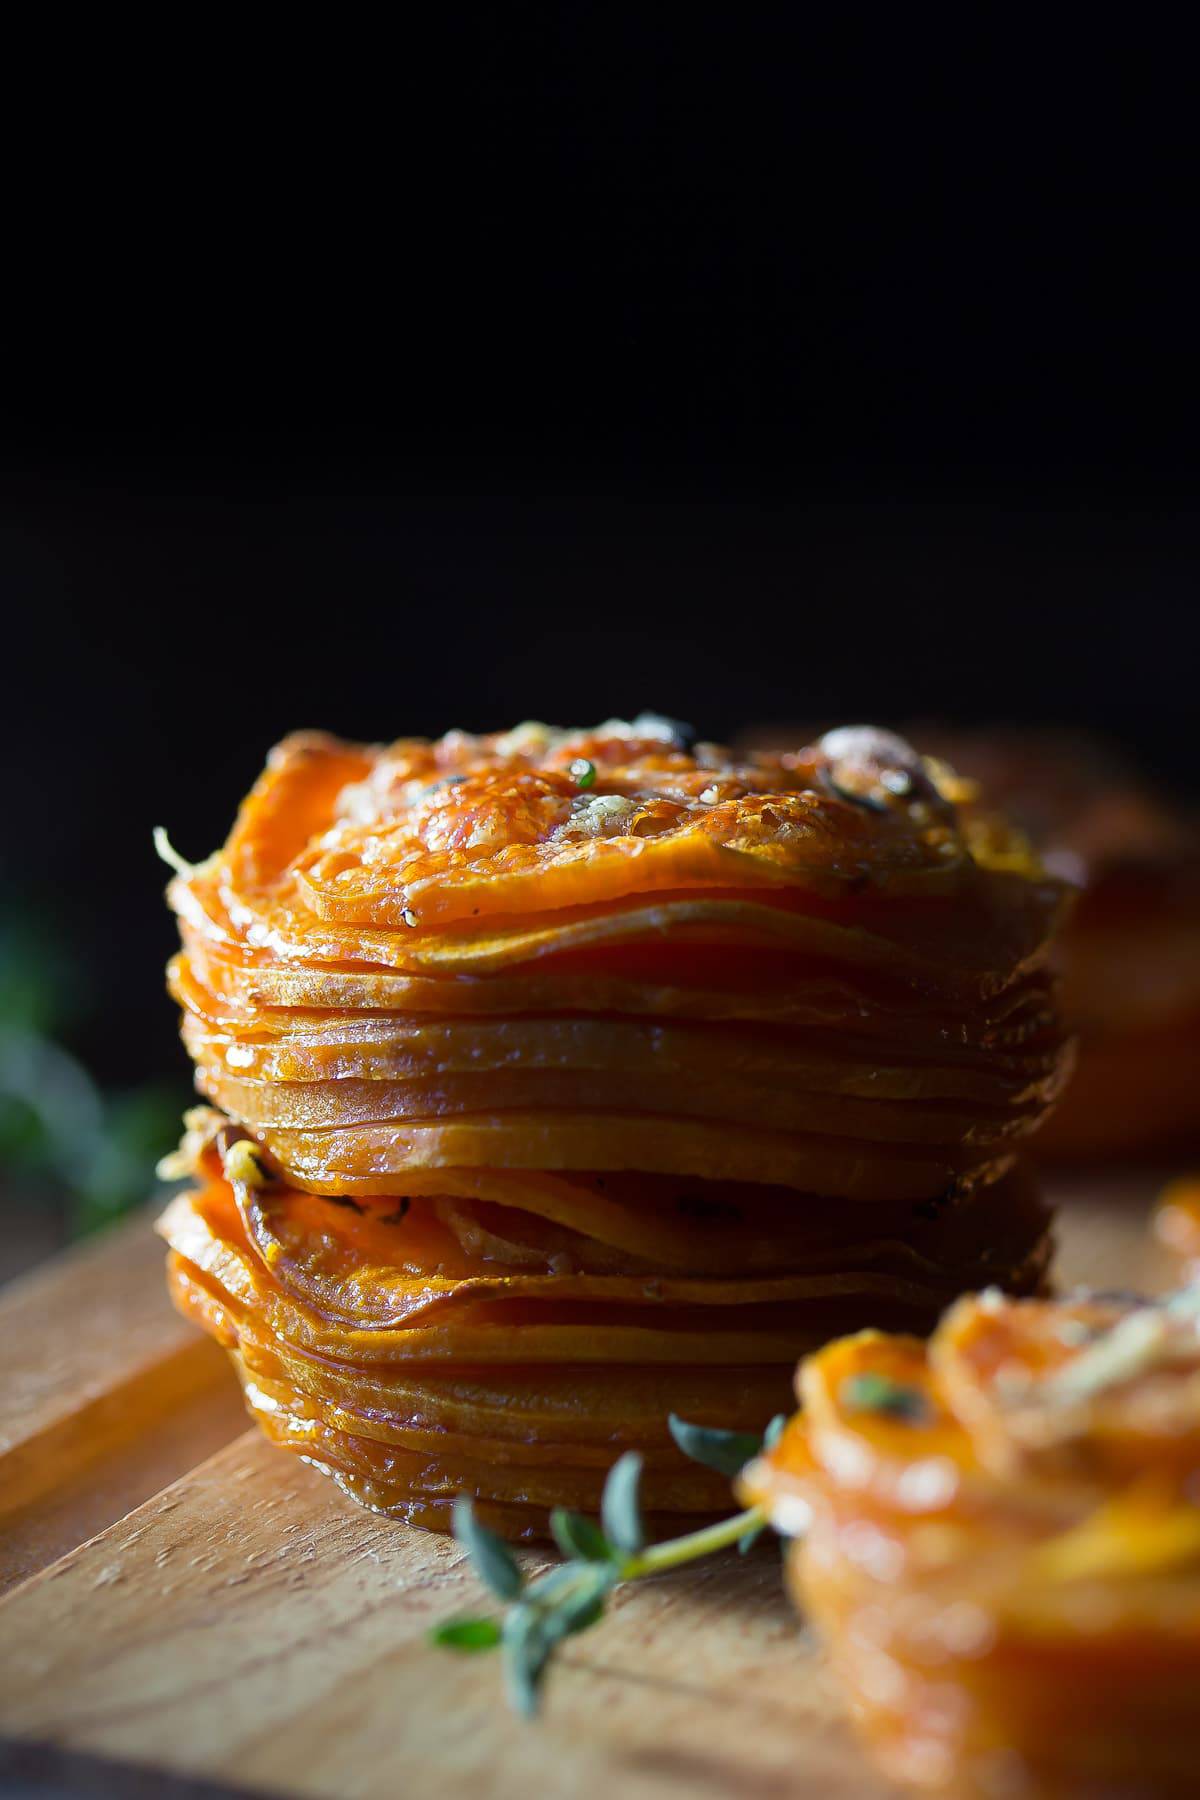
428 835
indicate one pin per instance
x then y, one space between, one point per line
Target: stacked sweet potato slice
558 1080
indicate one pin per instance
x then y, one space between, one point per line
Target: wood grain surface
106 1395
248 1626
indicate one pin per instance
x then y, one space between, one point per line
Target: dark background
568 367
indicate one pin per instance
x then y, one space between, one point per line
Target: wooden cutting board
183 1598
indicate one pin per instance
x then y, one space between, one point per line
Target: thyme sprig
600 1557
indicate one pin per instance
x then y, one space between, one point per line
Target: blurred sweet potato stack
1129 956
559 1079
998 1534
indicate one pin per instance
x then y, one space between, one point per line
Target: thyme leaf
726 1451
774 1431
579 1537
467 1634
748 1540
880 1394
492 1560
526 1653
620 1512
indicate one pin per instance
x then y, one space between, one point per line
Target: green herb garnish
726 1451
570 1598
620 1512
579 1538
880 1394
491 1558
467 1634
583 772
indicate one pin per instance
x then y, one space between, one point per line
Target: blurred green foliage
63 1138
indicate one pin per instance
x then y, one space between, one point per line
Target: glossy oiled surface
582 1051
252 1626
998 1540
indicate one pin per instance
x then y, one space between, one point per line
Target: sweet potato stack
1130 960
998 1535
559 1080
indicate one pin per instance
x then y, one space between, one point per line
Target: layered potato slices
556 1080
